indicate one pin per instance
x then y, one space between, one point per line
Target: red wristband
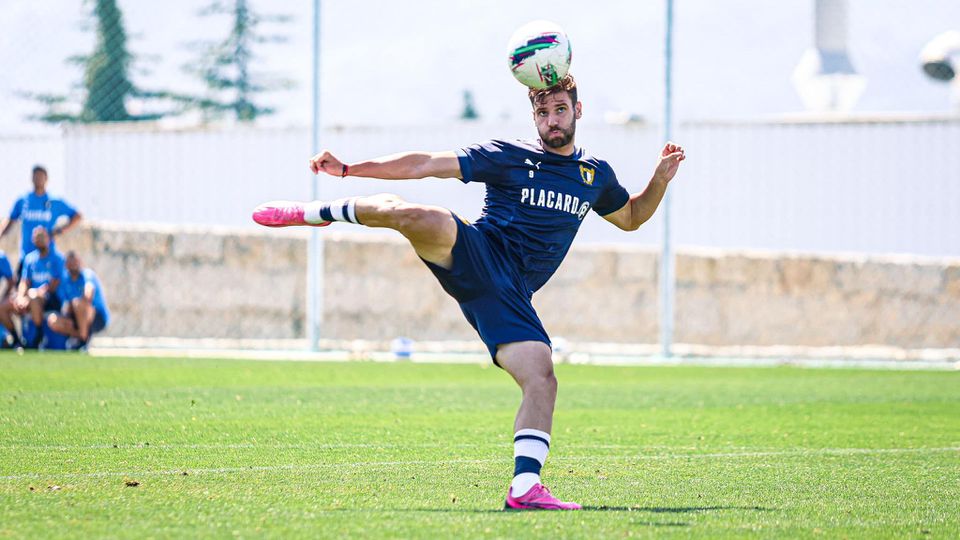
345 171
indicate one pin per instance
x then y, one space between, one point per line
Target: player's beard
562 139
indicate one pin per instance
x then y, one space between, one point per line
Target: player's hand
326 162
670 158
21 303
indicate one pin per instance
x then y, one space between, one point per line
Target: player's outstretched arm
642 206
405 166
7 225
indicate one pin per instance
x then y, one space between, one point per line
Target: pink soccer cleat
538 498
282 214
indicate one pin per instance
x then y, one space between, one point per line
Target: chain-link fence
827 141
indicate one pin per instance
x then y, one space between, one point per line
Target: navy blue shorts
98 324
491 293
52 303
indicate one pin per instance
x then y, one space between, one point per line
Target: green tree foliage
226 66
106 75
106 86
469 109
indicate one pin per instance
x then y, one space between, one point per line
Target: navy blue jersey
536 200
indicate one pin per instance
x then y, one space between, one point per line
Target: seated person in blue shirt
7 280
37 292
38 208
84 310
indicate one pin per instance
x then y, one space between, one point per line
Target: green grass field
289 449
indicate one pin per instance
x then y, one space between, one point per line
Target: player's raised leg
431 230
531 365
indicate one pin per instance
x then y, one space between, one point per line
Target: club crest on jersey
587 174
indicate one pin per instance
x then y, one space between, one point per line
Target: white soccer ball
539 54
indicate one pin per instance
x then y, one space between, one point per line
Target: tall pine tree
106 86
106 75
225 67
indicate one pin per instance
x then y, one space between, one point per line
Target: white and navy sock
530 448
338 210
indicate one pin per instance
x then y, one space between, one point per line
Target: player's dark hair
39 168
567 84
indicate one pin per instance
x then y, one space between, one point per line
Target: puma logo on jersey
532 164
546 198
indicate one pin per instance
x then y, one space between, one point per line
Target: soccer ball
539 54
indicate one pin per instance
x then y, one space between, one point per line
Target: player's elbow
627 225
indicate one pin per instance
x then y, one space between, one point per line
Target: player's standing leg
530 363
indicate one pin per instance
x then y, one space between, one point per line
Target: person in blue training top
537 195
38 208
37 291
84 310
7 281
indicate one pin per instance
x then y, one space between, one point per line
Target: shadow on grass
503 512
672 510
601 508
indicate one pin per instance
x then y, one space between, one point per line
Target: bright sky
409 62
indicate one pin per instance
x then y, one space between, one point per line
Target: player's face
556 118
39 181
40 238
73 264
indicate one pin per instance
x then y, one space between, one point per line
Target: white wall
18 155
878 187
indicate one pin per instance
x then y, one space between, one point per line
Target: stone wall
164 281
228 284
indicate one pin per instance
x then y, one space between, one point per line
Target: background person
84 310
6 288
37 292
38 209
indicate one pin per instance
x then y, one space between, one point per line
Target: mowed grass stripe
804 452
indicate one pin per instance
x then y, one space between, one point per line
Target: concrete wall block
586 266
951 283
695 270
637 266
79 239
806 275
140 242
262 252
198 246
903 278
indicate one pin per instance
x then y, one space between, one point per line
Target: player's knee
541 377
387 199
410 216
549 384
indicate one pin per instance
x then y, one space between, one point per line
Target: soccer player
37 292
538 193
37 208
7 339
84 305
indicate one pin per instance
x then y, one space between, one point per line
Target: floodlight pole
315 248
667 284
